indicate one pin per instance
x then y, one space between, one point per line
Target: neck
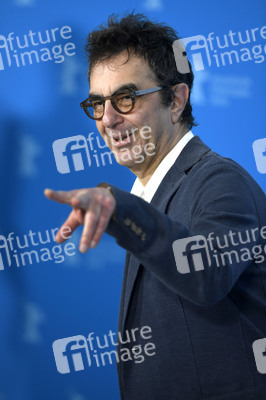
145 170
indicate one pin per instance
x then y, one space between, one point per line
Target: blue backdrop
48 295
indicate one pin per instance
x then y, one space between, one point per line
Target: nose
111 117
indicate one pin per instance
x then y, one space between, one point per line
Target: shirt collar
147 192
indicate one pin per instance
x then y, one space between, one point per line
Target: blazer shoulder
214 161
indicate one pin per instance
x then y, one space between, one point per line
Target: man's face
125 135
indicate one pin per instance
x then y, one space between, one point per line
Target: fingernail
83 248
93 244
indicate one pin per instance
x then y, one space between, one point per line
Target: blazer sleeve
222 202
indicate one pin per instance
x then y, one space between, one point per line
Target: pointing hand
92 208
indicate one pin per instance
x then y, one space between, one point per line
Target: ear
181 93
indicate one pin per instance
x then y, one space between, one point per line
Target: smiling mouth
120 140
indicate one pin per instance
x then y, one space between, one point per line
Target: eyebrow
126 86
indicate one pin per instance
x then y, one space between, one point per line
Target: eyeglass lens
122 102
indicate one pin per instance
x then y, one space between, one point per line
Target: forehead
108 76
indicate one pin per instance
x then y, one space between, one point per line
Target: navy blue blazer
203 320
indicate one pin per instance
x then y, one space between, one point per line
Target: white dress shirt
147 192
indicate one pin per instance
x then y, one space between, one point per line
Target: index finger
60 196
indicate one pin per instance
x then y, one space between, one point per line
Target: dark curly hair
136 34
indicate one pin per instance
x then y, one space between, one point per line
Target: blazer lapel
191 154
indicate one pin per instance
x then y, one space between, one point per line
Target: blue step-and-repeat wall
49 292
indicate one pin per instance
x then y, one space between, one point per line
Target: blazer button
127 221
143 236
134 227
135 348
139 231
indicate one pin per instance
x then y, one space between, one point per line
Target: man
202 297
